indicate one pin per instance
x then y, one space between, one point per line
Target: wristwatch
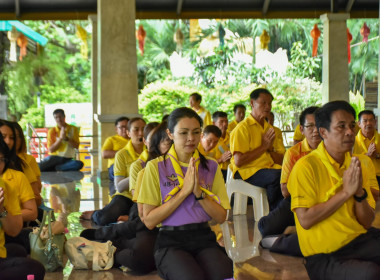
361 198
203 195
4 213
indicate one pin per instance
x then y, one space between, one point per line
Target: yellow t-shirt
31 161
123 160
309 183
17 182
222 147
64 149
298 136
27 169
361 147
278 141
246 137
135 168
210 153
150 192
291 157
114 143
205 115
139 178
232 125
12 204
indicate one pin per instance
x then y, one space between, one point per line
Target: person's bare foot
86 215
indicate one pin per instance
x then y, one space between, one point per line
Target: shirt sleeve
287 166
52 137
219 189
26 191
133 172
279 143
239 141
302 185
121 164
108 144
150 186
33 164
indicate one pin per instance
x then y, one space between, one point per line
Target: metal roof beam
179 7
17 8
266 7
349 5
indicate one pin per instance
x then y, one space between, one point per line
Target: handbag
47 250
83 252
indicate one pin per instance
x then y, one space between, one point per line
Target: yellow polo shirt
232 125
291 157
205 115
246 137
17 182
222 147
114 143
12 204
64 149
135 168
279 142
31 161
298 136
309 182
210 153
139 179
123 160
361 147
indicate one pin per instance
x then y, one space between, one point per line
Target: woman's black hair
14 161
18 128
179 114
4 150
157 136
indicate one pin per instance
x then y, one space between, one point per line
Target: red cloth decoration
349 39
315 34
364 31
140 35
22 42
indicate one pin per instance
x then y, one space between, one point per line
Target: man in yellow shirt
222 151
239 113
298 136
333 203
254 152
115 143
273 225
63 140
195 104
367 142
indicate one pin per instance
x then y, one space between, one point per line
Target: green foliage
357 101
162 97
59 68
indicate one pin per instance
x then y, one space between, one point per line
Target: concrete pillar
94 79
117 67
335 85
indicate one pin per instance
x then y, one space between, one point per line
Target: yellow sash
177 169
362 140
322 154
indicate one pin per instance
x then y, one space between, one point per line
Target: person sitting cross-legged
333 203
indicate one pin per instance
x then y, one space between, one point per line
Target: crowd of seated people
170 182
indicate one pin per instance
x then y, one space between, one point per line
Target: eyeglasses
3 160
310 126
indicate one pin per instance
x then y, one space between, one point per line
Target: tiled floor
70 193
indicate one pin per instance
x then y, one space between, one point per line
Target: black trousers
191 255
17 266
268 179
277 220
119 205
359 259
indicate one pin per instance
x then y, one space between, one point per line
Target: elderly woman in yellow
181 191
121 202
9 133
16 266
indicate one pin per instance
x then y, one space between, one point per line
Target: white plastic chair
242 190
241 248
